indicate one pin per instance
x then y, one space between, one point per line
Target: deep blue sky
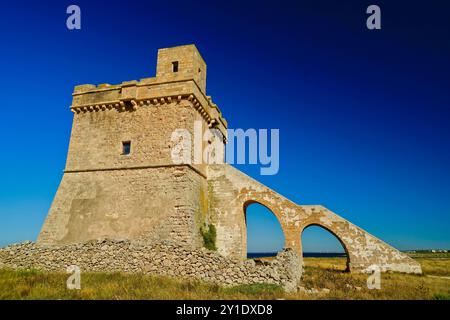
363 115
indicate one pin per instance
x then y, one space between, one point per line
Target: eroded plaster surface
233 191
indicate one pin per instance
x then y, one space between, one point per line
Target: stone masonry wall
151 203
96 138
190 64
142 194
155 259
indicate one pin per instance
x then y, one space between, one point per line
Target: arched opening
323 249
265 237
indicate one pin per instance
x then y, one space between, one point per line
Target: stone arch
266 205
341 241
229 189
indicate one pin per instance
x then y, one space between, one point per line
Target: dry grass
328 273
337 264
33 284
319 273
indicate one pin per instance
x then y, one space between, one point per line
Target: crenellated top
167 87
132 95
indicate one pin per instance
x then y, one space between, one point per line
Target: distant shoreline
252 255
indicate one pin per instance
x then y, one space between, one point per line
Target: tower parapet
180 75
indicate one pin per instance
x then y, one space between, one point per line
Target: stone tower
120 181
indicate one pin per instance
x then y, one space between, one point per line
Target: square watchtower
120 181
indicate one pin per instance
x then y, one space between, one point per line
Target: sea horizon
305 254
331 254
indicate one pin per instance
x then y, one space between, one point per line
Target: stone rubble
156 259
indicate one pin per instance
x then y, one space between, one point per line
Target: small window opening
199 70
126 147
175 66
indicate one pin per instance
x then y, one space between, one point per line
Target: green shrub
209 235
441 296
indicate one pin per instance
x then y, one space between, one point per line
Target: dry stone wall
156 259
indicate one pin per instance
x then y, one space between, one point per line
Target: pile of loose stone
156 259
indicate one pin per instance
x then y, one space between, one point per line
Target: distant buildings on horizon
429 251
